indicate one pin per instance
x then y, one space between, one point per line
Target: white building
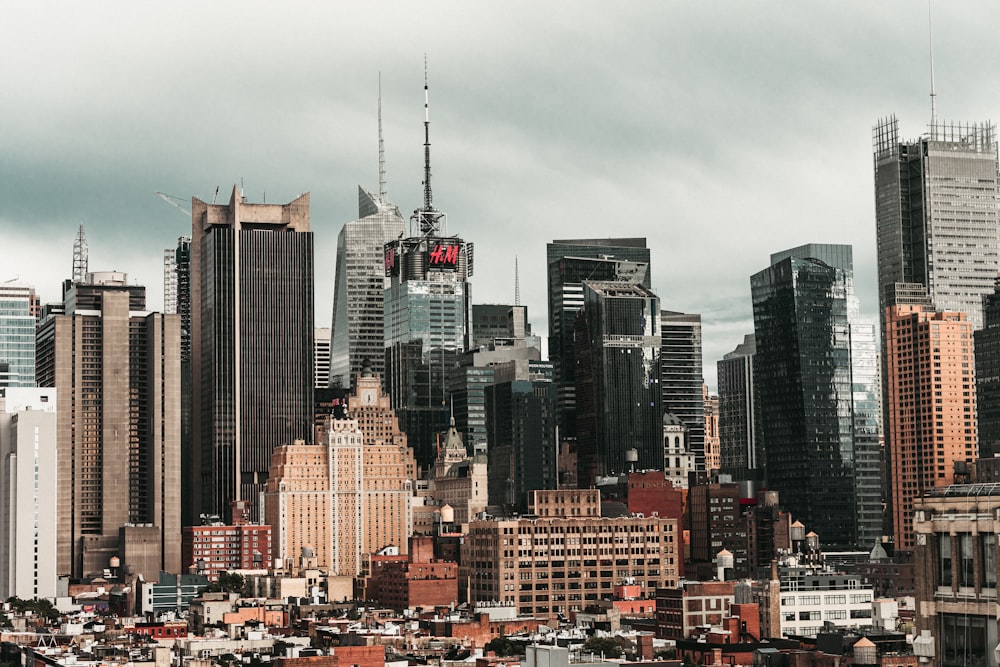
29 497
811 597
678 459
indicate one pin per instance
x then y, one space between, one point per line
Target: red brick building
211 550
341 656
416 580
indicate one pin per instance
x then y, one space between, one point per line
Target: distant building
987 350
617 374
931 403
321 358
116 368
459 481
681 380
415 580
28 514
212 549
739 453
716 522
18 314
681 610
562 558
678 459
712 453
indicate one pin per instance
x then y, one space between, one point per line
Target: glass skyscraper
739 453
359 289
817 393
570 262
681 376
18 307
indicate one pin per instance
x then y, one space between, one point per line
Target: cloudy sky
721 131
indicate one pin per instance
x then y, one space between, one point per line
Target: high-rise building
712 456
321 358
617 378
28 515
740 454
18 313
297 502
251 343
501 325
931 406
177 301
570 262
359 288
681 378
116 369
936 214
820 433
428 312
987 349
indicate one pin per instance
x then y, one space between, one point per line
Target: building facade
930 402
617 376
987 350
681 378
570 262
568 556
816 416
211 549
116 369
359 288
251 343
18 314
740 455
28 505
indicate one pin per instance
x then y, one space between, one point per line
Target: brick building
416 580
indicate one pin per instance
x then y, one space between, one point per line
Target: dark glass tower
618 380
817 393
570 262
739 452
681 378
252 341
987 351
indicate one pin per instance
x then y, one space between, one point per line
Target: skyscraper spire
517 284
381 146
930 45
80 257
428 217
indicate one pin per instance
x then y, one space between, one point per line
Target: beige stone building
458 480
116 368
567 556
297 503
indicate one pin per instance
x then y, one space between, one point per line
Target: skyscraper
428 311
570 262
359 288
987 349
18 310
931 404
116 369
681 378
618 392
820 433
177 300
321 358
252 341
936 213
739 452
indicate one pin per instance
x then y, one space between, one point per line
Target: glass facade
359 289
570 262
987 351
17 336
738 447
681 376
817 397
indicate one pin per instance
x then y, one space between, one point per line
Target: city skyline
670 120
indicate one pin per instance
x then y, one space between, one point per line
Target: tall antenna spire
930 48
381 146
80 257
517 284
428 198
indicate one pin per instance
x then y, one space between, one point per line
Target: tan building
349 496
955 555
930 404
116 368
567 556
459 480
713 458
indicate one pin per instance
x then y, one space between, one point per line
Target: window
988 543
966 575
963 640
944 560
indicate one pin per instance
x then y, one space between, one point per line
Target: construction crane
173 201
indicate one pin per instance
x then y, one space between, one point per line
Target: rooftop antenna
381 146
930 48
517 284
428 218
80 257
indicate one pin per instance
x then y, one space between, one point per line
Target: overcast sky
721 131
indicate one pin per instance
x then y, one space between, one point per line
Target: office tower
936 214
116 369
297 502
501 325
711 402
321 358
987 349
822 448
931 403
428 308
570 262
618 392
177 300
18 313
359 288
740 453
681 376
521 428
251 343
28 511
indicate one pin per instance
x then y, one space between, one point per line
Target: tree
609 647
503 647
229 582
